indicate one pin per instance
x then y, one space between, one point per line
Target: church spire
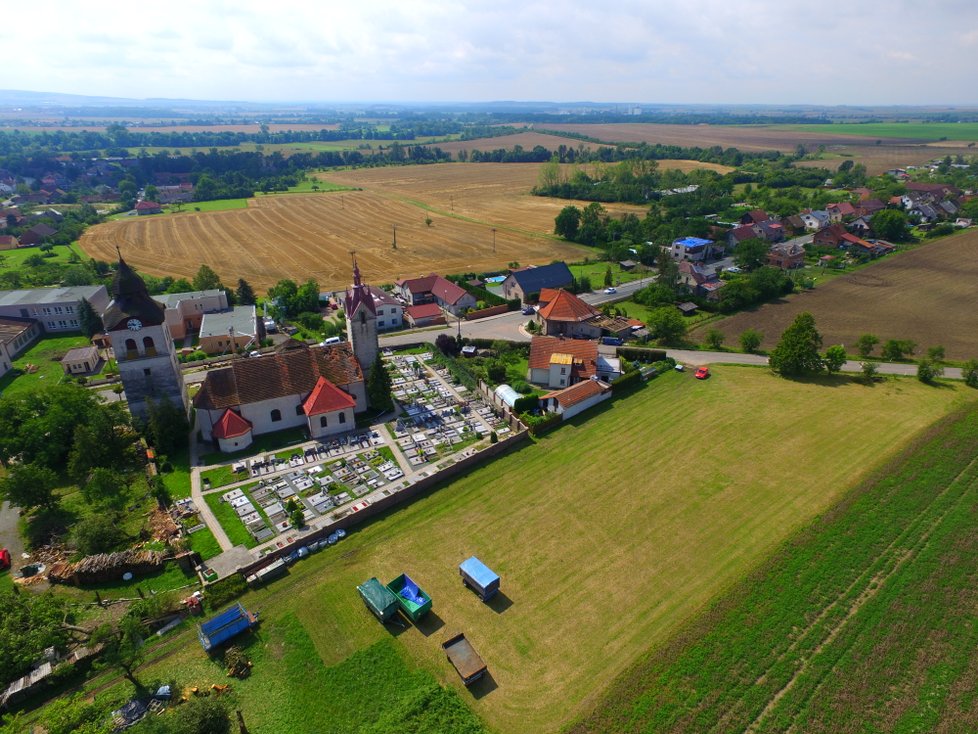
356 271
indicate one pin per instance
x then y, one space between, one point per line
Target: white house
577 398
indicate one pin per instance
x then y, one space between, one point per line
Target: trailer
415 603
479 577
466 660
379 599
267 573
224 626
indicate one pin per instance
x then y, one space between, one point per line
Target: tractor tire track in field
886 565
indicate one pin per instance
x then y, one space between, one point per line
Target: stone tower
361 322
142 344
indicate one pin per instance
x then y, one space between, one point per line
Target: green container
414 602
378 599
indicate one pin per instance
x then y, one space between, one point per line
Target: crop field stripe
869 583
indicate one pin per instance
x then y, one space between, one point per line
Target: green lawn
177 481
221 475
236 531
217 205
596 272
46 355
266 442
204 542
14 259
609 533
922 130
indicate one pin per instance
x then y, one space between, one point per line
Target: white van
331 340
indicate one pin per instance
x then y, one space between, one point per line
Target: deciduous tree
797 353
29 485
752 254
866 343
666 324
835 358
750 340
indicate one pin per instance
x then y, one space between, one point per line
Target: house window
69 309
148 346
563 370
276 415
298 409
380 323
57 309
342 417
63 324
323 422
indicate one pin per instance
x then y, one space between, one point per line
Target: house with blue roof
694 249
529 282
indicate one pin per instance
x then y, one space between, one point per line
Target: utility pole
493 240
394 245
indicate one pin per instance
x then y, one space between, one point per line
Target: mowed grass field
863 622
300 236
926 294
608 535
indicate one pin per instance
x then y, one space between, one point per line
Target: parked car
702 373
528 311
609 290
612 341
734 269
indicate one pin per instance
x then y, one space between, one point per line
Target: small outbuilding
232 432
81 361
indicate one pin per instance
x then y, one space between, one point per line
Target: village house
565 314
424 314
390 311
786 256
694 249
815 220
576 399
8 242
869 207
830 236
527 284
556 362
755 216
436 289
861 226
148 207
231 330
840 210
185 311
37 235
700 281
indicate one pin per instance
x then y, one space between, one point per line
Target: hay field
300 236
927 295
527 140
605 550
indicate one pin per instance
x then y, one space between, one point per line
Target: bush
97 533
750 340
227 589
897 349
969 370
526 404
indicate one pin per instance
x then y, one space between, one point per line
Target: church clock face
134 324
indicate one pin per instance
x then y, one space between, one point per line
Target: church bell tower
361 322
142 344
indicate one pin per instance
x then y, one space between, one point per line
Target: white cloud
631 50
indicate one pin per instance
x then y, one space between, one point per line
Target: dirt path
9 537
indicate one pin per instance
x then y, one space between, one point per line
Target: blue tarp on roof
224 626
478 572
691 242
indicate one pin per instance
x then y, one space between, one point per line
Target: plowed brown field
927 295
301 236
890 153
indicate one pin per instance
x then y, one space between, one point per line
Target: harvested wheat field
300 236
927 295
526 140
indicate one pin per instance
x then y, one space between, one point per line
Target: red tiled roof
844 207
423 311
743 232
292 371
230 425
8 239
578 392
447 291
585 353
852 239
147 205
547 295
327 398
567 307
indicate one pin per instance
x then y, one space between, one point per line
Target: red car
4 559
702 373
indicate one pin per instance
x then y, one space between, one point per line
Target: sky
824 52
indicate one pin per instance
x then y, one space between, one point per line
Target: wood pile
106 567
161 526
